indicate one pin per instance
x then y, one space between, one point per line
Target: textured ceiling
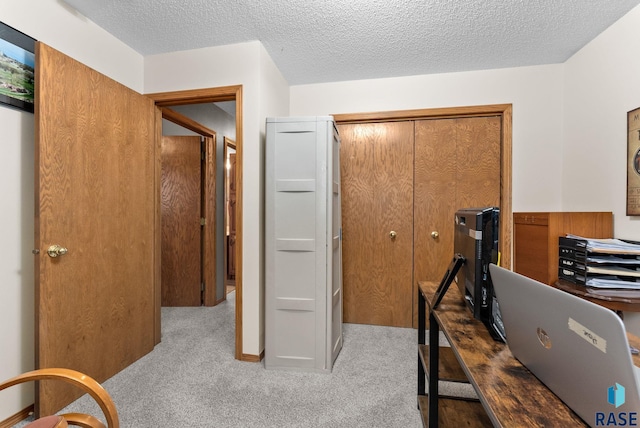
314 41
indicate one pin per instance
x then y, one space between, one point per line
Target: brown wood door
457 165
181 213
231 219
377 199
95 191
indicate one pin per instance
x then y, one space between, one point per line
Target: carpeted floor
192 380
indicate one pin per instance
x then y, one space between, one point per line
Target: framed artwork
633 162
17 67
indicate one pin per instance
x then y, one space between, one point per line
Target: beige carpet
192 380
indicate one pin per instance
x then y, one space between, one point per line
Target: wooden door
231 220
377 218
182 256
95 191
457 165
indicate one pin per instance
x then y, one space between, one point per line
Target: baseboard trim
250 358
18 417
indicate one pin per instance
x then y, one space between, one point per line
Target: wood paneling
95 195
377 198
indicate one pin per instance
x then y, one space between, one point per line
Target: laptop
578 349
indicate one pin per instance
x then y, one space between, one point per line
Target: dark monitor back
476 239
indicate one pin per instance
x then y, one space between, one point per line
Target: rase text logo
616 398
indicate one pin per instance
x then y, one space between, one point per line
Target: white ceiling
314 41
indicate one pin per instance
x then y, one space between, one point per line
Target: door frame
201 96
505 113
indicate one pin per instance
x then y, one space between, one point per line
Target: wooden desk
535 239
618 304
509 395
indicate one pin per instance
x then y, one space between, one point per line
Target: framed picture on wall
633 162
17 68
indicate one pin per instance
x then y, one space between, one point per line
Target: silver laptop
578 349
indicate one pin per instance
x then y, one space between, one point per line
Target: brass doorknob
393 234
56 250
435 234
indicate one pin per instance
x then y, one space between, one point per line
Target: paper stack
608 267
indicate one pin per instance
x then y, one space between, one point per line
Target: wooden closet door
457 165
377 199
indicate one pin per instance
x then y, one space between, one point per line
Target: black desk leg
434 362
421 341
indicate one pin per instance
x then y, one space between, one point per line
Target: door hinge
203 221
203 150
202 286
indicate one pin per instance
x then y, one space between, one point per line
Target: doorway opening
213 95
229 214
188 210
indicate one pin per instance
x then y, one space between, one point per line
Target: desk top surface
617 303
510 393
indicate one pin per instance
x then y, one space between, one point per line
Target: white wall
272 103
601 86
536 94
16 260
61 27
265 93
53 24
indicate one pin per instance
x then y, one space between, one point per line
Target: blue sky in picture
17 53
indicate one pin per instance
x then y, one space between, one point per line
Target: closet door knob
393 234
435 234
